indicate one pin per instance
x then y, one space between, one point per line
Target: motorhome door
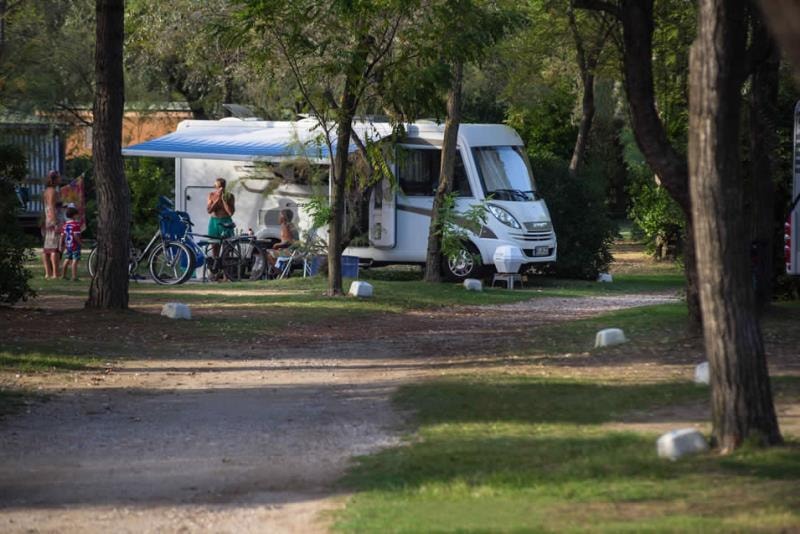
195 205
383 215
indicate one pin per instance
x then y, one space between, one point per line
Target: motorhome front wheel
464 264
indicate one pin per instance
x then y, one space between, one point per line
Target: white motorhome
491 165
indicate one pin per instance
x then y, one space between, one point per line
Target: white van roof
245 140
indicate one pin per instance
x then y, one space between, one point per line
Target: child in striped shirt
71 242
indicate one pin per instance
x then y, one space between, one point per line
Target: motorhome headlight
504 216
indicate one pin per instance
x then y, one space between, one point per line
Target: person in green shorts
220 206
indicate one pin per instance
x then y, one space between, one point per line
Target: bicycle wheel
91 262
255 261
171 263
231 262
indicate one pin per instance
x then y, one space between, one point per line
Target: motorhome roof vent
240 112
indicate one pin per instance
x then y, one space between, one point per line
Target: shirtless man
220 205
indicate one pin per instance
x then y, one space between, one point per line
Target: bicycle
170 261
240 256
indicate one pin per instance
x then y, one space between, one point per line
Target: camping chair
300 255
283 265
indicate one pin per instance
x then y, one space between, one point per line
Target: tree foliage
43 65
148 179
14 285
173 49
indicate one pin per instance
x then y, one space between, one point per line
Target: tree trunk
763 118
661 156
109 288
692 278
433 263
740 387
587 63
637 36
783 19
587 115
344 125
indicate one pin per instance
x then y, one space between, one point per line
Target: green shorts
215 228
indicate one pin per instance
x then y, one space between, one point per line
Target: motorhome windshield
505 173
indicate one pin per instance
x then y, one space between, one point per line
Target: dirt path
235 442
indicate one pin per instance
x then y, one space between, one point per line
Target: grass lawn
38 361
515 453
395 292
511 452
507 453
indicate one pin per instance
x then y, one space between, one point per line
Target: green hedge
584 229
14 277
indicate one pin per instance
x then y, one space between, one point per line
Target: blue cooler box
350 266
314 263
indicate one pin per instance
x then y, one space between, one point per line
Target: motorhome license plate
541 251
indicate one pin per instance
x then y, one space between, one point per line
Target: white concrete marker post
608 337
681 442
176 310
701 375
360 289
473 284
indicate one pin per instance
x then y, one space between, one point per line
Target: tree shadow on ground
544 436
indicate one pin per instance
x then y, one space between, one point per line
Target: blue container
350 266
314 263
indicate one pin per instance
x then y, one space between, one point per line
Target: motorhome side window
418 172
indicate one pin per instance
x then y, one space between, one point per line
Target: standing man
220 206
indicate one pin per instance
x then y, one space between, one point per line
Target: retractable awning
238 140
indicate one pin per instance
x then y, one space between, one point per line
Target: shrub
148 179
14 277
580 216
656 214
651 209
